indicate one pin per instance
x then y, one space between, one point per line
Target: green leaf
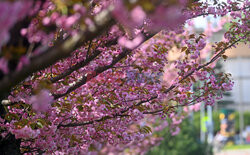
224 57
42 121
183 49
73 138
39 125
80 108
11 116
145 129
33 125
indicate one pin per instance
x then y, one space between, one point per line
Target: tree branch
154 97
204 65
99 70
206 14
62 49
82 63
178 105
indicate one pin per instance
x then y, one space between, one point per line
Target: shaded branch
206 14
91 122
62 49
203 66
192 102
100 70
155 97
82 63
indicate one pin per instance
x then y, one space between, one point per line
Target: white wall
240 70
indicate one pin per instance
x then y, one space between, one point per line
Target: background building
238 64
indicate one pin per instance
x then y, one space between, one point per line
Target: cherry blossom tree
86 77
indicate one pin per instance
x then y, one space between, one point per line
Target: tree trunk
10 145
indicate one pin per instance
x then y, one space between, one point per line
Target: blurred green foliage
185 143
216 120
246 120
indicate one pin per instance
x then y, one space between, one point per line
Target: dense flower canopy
79 77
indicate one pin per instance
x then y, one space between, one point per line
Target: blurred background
222 129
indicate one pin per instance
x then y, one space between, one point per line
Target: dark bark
10 145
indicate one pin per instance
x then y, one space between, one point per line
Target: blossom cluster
89 102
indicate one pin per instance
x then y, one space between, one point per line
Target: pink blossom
138 15
11 12
41 102
4 65
176 122
166 18
195 55
201 44
130 19
227 86
177 130
195 107
23 61
130 44
23 32
81 9
101 106
26 133
46 21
